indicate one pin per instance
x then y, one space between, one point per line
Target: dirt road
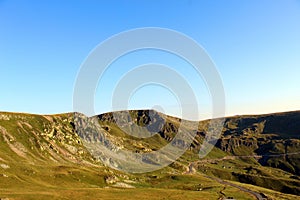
191 170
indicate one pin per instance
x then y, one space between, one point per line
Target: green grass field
42 157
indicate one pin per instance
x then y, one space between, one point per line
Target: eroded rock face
42 136
267 135
150 119
111 137
230 144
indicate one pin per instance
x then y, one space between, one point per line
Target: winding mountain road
257 195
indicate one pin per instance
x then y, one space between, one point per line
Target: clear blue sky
255 45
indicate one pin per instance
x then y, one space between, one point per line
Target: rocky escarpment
274 137
149 120
133 134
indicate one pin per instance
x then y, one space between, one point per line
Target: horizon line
227 116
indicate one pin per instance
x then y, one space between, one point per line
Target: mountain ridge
227 116
50 145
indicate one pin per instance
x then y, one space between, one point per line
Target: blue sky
255 45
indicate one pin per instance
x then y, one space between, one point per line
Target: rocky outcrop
274 137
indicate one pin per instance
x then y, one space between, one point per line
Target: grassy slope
44 165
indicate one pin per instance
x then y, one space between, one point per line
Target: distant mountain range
256 156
